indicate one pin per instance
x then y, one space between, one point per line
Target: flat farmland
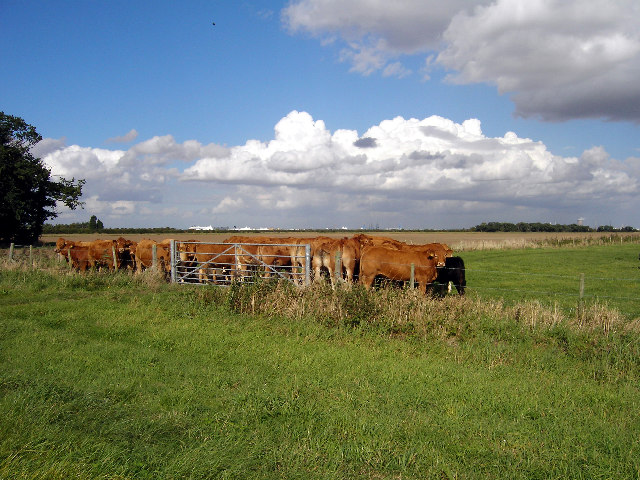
459 241
559 271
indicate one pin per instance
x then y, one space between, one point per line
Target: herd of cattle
361 258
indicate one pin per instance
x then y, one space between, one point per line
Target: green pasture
552 276
113 377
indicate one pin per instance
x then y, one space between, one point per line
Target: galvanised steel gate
224 263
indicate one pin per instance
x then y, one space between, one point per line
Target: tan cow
79 257
104 254
298 254
144 255
440 250
276 257
246 256
396 265
215 262
255 252
377 241
63 245
347 250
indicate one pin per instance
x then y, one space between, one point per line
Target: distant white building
210 227
251 229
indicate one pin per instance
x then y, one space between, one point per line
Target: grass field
553 276
109 376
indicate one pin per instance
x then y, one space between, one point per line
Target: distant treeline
97 227
68 228
544 227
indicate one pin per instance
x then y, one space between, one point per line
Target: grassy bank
108 376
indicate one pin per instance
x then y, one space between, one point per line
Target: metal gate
225 263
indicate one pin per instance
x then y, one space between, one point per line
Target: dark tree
28 194
93 223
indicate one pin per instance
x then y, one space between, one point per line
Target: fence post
581 300
11 251
172 253
115 258
338 267
154 256
235 262
307 264
69 258
31 255
413 276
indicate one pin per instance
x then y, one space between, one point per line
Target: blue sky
329 113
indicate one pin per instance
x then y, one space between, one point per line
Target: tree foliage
543 227
28 194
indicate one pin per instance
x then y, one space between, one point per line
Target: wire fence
565 291
621 293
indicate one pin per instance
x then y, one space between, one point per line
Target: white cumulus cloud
431 159
556 59
430 172
127 138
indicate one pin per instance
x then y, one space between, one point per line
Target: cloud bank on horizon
557 60
428 173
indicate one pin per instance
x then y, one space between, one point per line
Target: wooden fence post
31 255
11 251
115 258
581 299
412 278
154 256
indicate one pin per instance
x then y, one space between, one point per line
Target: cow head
60 244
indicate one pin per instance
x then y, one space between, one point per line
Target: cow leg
316 265
349 267
202 275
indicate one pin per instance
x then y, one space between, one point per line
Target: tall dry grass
505 241
407 312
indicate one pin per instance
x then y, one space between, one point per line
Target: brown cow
276 257
215 262
396 265
298 254
125 249
79 257
325 255
144 255
246 256
257 251
377 241
440 251
104 253
63 245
